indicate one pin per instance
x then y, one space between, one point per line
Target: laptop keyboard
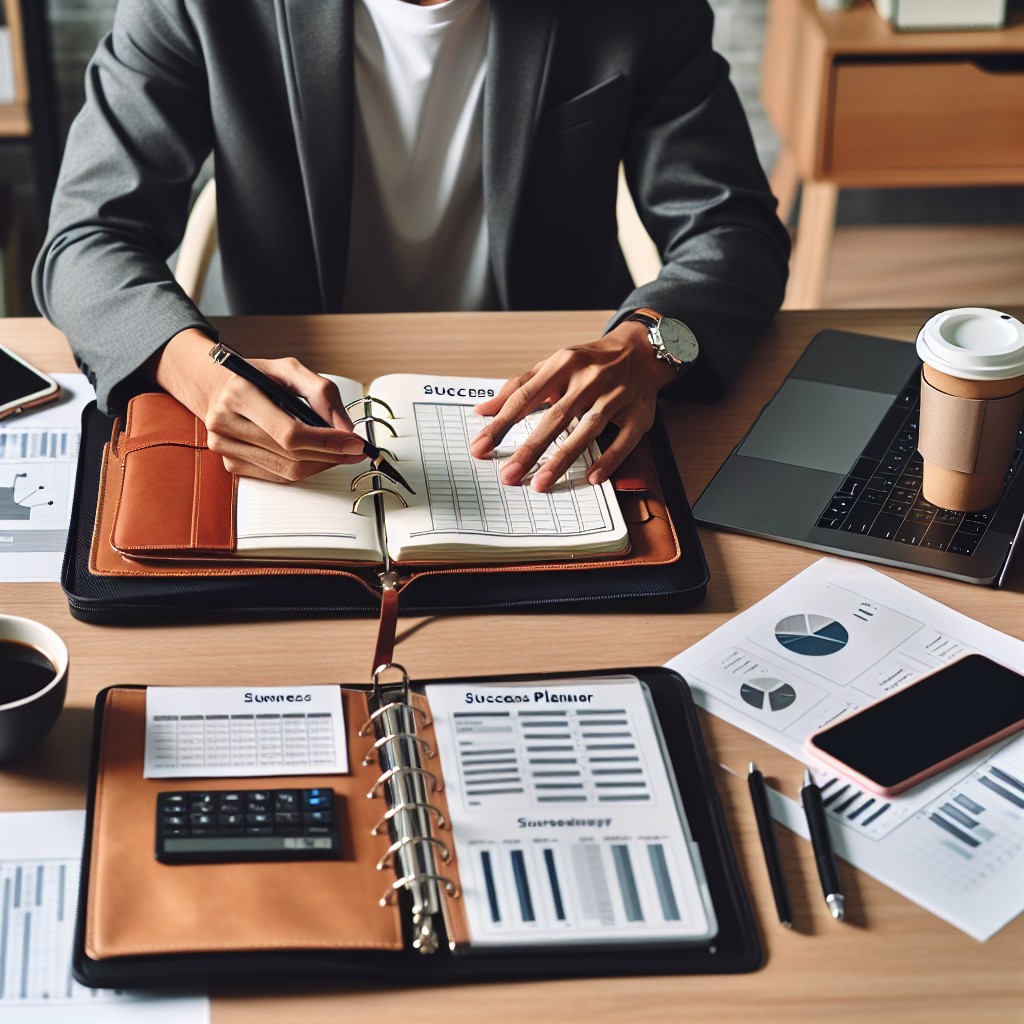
881 495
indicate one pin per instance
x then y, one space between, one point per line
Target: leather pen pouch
174 495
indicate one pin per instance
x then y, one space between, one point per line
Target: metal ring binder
375 419
371 400
403 883
442 822
410 736
367 726
356 481
446 854
400 770
414 851
381 491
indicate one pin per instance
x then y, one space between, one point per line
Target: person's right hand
253 436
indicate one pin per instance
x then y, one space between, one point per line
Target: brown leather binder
153 538
392 905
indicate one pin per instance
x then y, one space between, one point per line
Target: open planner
459 511
161 529
477 828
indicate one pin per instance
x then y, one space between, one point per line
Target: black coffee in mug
24 670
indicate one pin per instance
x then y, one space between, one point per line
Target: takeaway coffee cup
971 404
33 683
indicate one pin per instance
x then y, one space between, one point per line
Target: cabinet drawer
929 116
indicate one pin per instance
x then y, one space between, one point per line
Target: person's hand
253 436
614 379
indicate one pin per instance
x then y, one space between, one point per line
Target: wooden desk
858 105
891 962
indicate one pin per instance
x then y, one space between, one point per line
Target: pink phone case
828 761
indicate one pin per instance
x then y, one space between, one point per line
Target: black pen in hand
295 406
769 844
821 841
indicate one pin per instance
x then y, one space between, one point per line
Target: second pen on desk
769 844
294 405
821 840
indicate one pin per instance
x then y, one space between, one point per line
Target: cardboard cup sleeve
968 443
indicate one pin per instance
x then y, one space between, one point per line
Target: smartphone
925 727
22 385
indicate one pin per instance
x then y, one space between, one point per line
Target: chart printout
467 497
40 855
838 637
224 731
566 823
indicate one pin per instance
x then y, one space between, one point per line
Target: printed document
840 636
38 461
40 858
231 731
566 821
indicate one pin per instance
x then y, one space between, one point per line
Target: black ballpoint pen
824 856
295 406
769 844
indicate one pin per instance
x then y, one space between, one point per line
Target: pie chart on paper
813 636
779 694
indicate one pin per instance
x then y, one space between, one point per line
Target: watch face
679 341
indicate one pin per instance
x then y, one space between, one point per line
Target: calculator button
246 825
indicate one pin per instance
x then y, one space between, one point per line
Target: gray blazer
573 87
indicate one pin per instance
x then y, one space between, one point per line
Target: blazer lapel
317 48
519 48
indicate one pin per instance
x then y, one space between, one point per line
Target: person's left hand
614 379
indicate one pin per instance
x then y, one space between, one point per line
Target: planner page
567 824
461 511
310 519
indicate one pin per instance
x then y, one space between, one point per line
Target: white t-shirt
419 236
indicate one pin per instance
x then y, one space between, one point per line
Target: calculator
219 826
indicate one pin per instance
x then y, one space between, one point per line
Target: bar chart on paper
564 819
39 876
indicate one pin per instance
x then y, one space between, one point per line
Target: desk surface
890 961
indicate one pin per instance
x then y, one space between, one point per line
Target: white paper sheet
232 731
565 819
839 636
38 461
40 858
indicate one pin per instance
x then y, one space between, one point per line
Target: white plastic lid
973 343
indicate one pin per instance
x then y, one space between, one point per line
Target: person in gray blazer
374 155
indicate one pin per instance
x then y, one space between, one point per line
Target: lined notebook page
309 519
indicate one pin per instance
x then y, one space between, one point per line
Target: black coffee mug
33 684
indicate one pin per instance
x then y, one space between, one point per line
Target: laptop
832 464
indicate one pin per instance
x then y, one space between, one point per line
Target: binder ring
367 727
369 399
378 490
411 805
411 736
406 880
406 769
446 854
375 419
356 481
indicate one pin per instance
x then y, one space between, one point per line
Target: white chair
198 243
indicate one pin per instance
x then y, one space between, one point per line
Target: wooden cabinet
858 105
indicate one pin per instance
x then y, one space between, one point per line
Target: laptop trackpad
817 425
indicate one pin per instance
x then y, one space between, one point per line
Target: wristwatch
673 342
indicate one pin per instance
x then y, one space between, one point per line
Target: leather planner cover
139 551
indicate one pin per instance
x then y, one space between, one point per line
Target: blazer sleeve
703 197
122 198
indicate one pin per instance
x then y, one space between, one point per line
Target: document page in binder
459 511
567 822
